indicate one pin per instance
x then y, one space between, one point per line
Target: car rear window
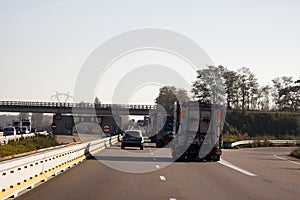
133 133
9 129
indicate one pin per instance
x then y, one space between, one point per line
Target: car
133 138
9 130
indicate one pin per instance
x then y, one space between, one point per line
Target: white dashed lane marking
157 166
162 178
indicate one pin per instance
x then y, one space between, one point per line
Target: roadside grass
27 145
296 153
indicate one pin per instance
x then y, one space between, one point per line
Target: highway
260 173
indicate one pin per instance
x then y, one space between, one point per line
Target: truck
160 128
26 125
197 131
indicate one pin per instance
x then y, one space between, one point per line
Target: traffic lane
264 162
211 180
133 160
93 180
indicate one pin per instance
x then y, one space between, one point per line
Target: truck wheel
159 143
122 147
180 159
215 158
142 147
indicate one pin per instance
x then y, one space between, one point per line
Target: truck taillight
161 133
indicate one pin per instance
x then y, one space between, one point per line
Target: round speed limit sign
106 128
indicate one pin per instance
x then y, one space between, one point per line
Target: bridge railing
21 173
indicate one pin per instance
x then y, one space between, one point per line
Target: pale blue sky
44 43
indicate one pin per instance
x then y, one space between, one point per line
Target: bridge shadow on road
132 159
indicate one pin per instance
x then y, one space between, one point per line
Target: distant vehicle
9 130
161 133
26 122
25 130
133 138
33 130
140 123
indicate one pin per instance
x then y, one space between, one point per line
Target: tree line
243 91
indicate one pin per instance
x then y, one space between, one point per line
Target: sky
43 44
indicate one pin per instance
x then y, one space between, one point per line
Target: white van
9 130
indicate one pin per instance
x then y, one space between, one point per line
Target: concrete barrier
6 139
245 142
25 172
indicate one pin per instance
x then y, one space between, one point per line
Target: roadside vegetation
27 145
296 153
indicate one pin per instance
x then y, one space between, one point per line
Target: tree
209 86
264 98
253 91
231 87
97 100
167 96
170 94
283 91
200 88
182 95
248 88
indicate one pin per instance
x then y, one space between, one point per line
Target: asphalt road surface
260 173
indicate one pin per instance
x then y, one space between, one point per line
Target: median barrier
6 139
25 172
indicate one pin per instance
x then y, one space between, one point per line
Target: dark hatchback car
133 138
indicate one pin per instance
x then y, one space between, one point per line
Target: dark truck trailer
198 131
161 128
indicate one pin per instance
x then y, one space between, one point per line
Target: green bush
279 125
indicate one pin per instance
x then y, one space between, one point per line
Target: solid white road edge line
162 178
227 164
286 159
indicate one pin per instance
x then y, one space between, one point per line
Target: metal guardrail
72 105
245 142
25 172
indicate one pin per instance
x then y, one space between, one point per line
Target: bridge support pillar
64 124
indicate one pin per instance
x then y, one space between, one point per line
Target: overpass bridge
80 108
66 115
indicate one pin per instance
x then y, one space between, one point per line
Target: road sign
106 128
53 126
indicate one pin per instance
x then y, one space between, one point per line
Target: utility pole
21 126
